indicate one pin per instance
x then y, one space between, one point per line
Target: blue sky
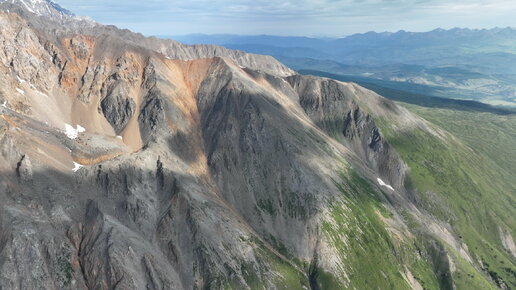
291 17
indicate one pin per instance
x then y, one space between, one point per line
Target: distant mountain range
477 64
373 48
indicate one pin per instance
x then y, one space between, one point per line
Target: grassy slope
469 183
373 259
490 135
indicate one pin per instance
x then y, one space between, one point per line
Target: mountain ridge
221 39
456 63
71 23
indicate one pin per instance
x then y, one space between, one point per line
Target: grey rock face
335 108
360 129
118 110
24 169
29 67
241 125
91 83
152 115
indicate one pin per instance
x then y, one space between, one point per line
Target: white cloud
289 17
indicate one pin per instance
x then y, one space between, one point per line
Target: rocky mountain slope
147 164
38 12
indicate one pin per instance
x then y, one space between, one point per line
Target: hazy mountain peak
44 8
40 7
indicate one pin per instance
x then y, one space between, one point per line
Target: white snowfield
20 91
38 7
72 132
49 9
381 183
20 80
77 166
43 94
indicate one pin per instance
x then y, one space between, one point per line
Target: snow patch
43 94
72 132
4 104
381 183
20 91
20 80
120 137
27 6
77 166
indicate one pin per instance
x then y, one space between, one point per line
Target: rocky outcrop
118 110
24 169
361 131
335 108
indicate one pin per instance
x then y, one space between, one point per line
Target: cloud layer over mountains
305 17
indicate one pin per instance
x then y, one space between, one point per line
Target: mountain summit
46 8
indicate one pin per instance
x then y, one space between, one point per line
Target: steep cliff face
123 168
343 112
